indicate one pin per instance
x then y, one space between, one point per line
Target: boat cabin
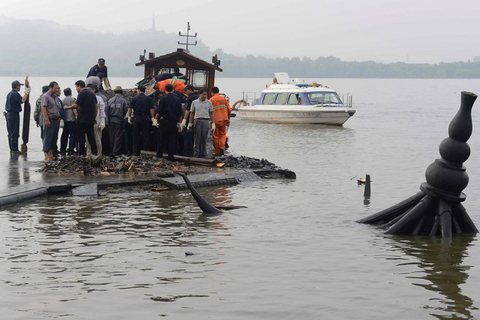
195 71
285 91
296 95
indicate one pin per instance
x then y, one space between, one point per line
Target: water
295 252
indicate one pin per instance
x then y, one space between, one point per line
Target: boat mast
187 43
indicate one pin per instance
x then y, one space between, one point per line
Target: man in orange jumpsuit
221 118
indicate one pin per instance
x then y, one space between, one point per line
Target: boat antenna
187 43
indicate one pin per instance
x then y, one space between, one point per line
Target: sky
411 31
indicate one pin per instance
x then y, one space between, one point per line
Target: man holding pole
13 107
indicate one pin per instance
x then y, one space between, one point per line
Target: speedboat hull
307 115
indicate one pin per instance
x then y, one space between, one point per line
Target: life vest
177 84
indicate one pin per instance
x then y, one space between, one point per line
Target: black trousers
82 130
68 131
187 143
115 132
141 134
167 138
13 129
106 147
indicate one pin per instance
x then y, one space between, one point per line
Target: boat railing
347 100
250 98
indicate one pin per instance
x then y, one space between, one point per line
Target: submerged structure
437 209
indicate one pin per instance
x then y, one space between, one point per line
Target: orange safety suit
177 85
221 116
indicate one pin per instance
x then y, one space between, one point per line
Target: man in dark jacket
87 112
142 107
117 108
188 135
100 70
169 113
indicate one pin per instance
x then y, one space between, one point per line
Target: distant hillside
42 48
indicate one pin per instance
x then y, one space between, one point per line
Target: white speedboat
287 101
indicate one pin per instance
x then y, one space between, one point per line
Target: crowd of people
174 120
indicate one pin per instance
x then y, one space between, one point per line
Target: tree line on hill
331 67
50 49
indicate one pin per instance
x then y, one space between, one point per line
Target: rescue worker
188 135
169 112
116 111
221 117
142 106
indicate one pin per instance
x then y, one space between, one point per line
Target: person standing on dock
100 70
37 114
117 108
105 132
13 107
188 135
51 114
221 116
201 119
87 112
68 134
99 122
169 112
143 117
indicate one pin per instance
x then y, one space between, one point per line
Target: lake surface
295 252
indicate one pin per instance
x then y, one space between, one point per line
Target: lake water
295 252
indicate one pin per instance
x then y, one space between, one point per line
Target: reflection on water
18 170
73 246
442 271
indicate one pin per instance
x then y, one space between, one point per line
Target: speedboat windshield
324 98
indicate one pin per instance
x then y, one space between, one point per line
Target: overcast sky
414 31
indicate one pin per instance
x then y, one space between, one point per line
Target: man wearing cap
142 107
69 123
13 107
188 135
117 108
100 70
169 112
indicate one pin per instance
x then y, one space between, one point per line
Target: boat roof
297 88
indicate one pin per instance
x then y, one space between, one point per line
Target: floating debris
148 164
244 162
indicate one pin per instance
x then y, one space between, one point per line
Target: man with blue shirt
13 107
